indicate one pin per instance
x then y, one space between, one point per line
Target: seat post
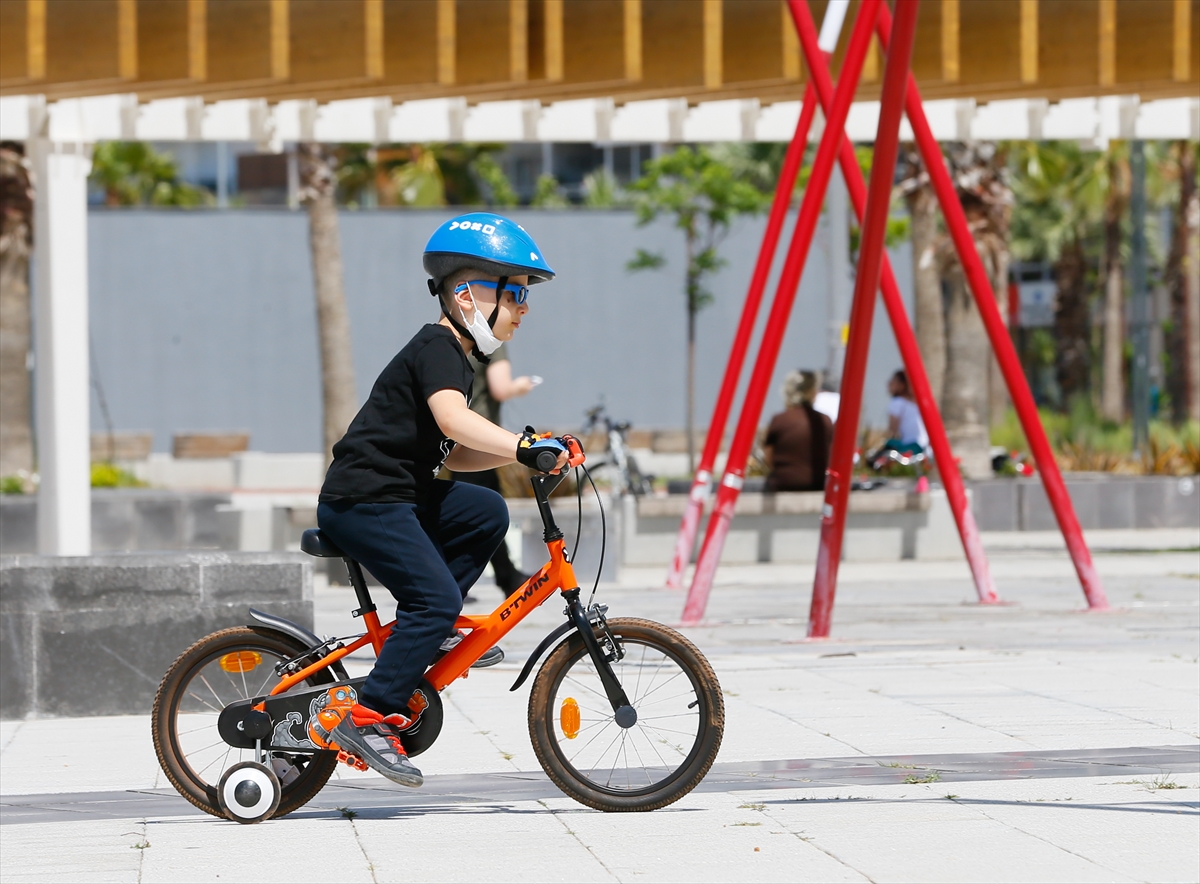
354 570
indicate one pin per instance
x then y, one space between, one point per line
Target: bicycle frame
484 631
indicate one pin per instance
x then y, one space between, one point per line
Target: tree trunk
1183 282
16 227
965 400
1071 325
998 397
338 398
1112 398
691 391
927 287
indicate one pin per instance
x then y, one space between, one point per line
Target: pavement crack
12 736
362 848
580 841
812 842
507 756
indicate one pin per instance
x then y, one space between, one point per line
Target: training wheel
248 792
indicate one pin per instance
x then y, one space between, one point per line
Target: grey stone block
1167 502
1114 503
159 524
93 636
994 504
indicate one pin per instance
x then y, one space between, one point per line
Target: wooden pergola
553 50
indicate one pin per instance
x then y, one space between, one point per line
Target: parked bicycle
619 457
625 714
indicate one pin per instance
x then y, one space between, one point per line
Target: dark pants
428 555
506 572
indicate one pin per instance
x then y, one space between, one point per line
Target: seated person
798 438
906 430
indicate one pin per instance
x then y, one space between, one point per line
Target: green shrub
12 485
107 475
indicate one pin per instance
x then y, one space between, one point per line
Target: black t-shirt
394 447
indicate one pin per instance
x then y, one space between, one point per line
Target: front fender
548 642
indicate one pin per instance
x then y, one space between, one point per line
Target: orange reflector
568 717
241 661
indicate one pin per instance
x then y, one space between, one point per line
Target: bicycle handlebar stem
543 487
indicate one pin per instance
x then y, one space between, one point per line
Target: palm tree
16 234
133 173
1061 191
1178 168
928 313
972 381
318 186
1116 203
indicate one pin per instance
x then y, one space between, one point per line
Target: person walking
798 438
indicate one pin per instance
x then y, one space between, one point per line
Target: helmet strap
462 330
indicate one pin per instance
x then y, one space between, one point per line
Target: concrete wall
1102 500
94 635
128 519
204 320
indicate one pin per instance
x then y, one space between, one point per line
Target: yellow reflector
568 717
241 661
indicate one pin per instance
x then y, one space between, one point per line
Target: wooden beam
713 43
1029 41
35 39
950 41
280 40
197 40
633 39
127 54
518 40
791 44
1107 47
553 39
446 42
373 35
1181 69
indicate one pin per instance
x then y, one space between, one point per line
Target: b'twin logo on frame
488 229
530 589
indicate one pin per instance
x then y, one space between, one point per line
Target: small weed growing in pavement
508 756
950 796
141 845
896 764
347 813
932 777
747 824
1164 782
752 807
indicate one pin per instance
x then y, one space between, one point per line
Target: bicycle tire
551 753
165 735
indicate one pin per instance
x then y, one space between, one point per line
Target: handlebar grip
546 460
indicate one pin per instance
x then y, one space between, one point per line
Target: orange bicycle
624 714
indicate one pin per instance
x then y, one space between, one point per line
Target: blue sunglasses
519 292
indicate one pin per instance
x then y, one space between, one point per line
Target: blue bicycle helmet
486 242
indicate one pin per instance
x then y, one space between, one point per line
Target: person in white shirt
906 430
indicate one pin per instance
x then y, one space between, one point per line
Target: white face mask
485 340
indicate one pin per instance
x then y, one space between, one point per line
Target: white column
61 346
841 288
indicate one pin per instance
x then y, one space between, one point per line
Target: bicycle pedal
351 760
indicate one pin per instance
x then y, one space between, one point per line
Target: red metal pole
910 353
741 341
781 307
1006 355
835 14
870 266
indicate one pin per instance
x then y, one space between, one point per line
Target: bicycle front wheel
663 755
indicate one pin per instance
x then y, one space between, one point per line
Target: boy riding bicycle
425 539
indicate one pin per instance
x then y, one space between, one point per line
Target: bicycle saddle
315 543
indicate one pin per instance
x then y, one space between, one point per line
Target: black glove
539 452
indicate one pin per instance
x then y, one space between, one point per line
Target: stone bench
93 635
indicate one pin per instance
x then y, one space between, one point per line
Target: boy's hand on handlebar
546 454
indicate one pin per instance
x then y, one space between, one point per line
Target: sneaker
375 739
490 657
515 581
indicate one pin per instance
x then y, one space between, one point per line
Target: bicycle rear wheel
667 751
227 666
